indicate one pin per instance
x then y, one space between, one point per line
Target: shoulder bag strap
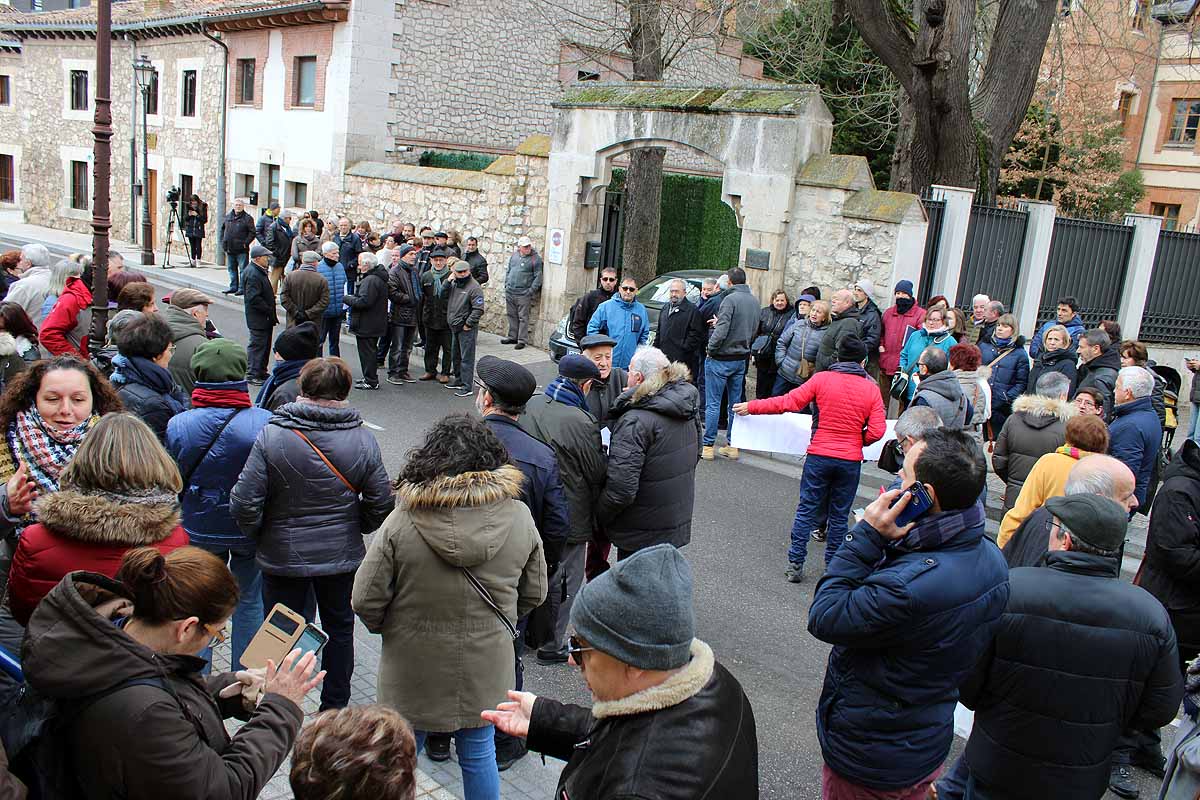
328 463
1002 355
486 596
204 453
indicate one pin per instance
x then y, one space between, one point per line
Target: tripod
172 221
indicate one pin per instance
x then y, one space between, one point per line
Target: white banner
790 433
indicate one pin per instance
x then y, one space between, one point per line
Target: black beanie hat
851 348
299 343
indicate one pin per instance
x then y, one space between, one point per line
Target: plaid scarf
44 449
935 530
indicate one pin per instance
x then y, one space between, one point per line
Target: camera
173 195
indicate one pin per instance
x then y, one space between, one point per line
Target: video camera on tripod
173 195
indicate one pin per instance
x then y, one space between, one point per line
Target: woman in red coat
120 491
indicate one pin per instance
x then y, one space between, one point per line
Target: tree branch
884 26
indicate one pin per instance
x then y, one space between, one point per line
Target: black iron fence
936 211
1088 260
1173 302
992 257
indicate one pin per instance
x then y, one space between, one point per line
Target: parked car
653 296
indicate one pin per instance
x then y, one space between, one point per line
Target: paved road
754 620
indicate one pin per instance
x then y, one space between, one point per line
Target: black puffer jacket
259 299
1047 716
848 323
870 320
652 463
369 303
1053 361
692 736
1038 425
304 520
405 297
772 323
1171 570
1101 374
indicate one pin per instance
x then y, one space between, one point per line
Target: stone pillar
1039 230
909 253
1137 272
955 219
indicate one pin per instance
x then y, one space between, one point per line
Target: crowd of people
149 503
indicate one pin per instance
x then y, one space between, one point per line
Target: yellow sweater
1047 479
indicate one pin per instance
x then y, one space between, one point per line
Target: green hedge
473 162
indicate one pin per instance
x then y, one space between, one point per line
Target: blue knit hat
906 287
640 611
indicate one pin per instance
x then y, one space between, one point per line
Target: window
243 184
245 81
152 95
79 185
1169 213
305 93
187 94
272 184
587 75
1124 105
8 179
5 90
79 90
1185 118
297 194
185 186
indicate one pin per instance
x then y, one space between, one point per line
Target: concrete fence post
955 219
1138 272
1039 231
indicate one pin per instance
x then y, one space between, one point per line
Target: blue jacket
1074 327
205 500
1134 438
907 628
336 278
624 320
348 250
918 340
1009 375
543 490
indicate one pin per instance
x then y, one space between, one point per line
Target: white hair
681 282
980 298
648 360
723 282
328 247
1137 380
710 282
370 257
36 254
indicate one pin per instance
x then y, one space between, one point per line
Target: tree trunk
643 181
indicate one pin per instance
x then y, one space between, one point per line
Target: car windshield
659 290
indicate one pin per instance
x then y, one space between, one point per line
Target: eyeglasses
218 636
628 288
608 280
575 648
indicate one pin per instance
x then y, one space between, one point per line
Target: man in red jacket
849 415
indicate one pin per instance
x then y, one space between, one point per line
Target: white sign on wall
554 246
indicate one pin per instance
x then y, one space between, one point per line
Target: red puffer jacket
848 405
895 325
78 531
65 329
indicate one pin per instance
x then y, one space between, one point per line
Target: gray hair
328 247
682 284
370 257
62 269
917 422
1096 337
980 298
1052 384
723 282
996 306
710 282
648 360
1137 380
934 358
36 254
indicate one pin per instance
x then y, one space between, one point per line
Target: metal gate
1173 302
1087 261
992 257
612 234
935 210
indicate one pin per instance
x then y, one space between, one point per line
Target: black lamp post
145 72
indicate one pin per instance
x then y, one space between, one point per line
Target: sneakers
707 453
818 535
443 378
437 747
229 291
1120 782
729 452
463 391
395 380
508 341
256 381
549 657
362 384
454 384
509 750
794 573
407 378
428 376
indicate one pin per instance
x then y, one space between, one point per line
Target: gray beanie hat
640 611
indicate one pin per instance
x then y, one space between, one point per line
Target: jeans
399 349
351 277
368 358
331 331
234 264
258 349
516 307
435 341
476 758
824 479
782 386
337 620
1193 430
463 356
719 377
953 783
248 616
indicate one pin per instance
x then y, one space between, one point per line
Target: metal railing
1088 260
1173 302
992 256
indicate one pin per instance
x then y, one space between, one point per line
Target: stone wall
496 206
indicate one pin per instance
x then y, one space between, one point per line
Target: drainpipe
133 159
1162 32
221 204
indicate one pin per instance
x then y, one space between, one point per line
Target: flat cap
507 380
310 257
578 367
189 298
438 252
258 251
405 249
1092 519
441 235
596 340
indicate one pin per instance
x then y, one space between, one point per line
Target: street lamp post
145 73
101 172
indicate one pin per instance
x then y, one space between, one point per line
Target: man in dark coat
434 317
305 294
939 387
368 317
560 418
1099 363
140 373
279 241
479 264
598 349
652 457
585 307
349 246
909 610
294 348
1135 433
845 321
259 304
639 739
404 294
870 320
464 309
237 234
1078 655
681 330
262 228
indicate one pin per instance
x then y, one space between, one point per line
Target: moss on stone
504 165
851 173
783 100
537 144
467 180
880 206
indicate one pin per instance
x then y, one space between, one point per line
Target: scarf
566 391
938 332
316 401
1002 343
848 368
43 448
135 369
234 394
905 304
283 372
935 530
1073 452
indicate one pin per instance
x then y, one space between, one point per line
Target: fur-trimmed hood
98 520
458 515
669 392
1040 411
681 686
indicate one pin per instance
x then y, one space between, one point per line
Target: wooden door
152 188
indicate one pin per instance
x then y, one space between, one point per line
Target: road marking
373 426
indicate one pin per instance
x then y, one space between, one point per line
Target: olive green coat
446 655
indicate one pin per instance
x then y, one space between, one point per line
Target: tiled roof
129 12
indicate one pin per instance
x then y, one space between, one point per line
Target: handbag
805 370
899 388
758 348
328 463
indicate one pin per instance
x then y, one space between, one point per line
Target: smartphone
312 640
918 506
275 638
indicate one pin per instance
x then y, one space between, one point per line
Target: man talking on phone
910 606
